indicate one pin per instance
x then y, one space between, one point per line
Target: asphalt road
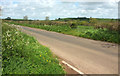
89 56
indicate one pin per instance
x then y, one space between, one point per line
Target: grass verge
22 54
81 31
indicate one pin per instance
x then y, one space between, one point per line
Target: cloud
39 9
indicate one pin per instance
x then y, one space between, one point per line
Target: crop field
97 29
22 54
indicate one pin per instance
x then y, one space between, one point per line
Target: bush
73 25
93 21
84 23
113 26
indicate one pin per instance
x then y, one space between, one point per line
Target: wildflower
28 42
40 55
8 31
16 32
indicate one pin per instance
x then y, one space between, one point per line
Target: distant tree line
111 24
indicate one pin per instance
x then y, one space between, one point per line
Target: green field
104 30
22 54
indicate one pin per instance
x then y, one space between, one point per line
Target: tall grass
22 54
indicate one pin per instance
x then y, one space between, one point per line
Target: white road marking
75 69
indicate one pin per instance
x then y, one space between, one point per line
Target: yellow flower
47 60
40 55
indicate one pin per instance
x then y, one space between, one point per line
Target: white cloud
15 5
24 9
90 0
32 8
39 9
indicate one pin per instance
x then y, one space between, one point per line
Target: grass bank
81 31
22 54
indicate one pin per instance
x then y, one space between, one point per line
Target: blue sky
39 9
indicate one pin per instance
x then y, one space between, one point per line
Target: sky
39 9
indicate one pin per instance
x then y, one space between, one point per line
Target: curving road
89 56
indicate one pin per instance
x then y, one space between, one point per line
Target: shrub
73 25
93 21
84 23
109 25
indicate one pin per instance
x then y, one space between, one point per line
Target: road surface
89 56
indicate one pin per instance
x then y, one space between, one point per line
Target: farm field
97 29
22 54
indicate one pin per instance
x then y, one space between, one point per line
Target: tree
47 18
25 17
59 18
8 18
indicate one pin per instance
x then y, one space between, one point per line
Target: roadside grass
81 31
22 54
95 34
